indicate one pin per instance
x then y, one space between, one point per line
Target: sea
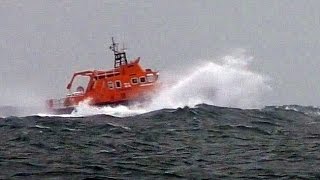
213 123
203 142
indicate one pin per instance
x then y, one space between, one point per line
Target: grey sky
43 42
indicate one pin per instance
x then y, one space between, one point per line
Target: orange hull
126 83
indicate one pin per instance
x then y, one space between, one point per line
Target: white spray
229 84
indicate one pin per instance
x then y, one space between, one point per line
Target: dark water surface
206 142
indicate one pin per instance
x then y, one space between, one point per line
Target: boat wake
230 83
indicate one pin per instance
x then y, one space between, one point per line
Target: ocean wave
178 142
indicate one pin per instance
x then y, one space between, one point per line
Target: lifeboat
125 84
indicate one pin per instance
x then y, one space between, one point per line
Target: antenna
114 46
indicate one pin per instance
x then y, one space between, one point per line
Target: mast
120 57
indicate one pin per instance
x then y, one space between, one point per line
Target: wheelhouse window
118 84
110 85
150 78
142 79
134 80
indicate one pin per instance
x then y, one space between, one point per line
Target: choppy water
205 142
